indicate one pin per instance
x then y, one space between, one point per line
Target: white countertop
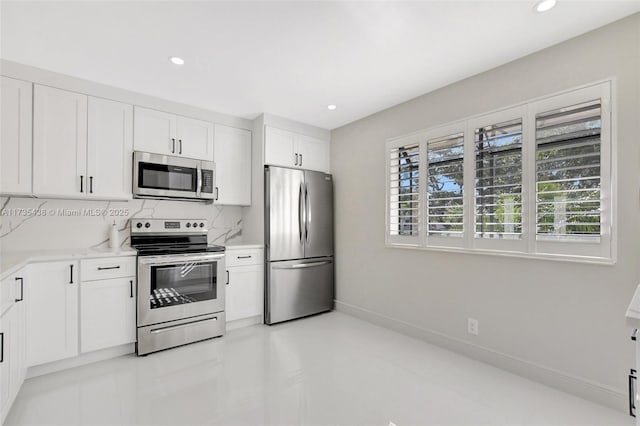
12 261
633 311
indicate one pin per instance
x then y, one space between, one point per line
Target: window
568 173
534 179
498 183
445 185
404 190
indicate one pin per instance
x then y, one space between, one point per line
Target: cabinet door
244 292
154 131
279 148
51 299
314 153
195 139
15 136
109 149
232 155
6 332
59 142
107 313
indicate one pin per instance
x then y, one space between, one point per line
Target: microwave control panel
207 181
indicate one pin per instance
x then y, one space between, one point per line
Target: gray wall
560 319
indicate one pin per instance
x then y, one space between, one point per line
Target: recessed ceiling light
331 107
176 60
545 5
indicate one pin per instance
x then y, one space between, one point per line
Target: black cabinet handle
81 183
71 274
21 289
217 193
300 160
2 347
105 268
131 288
227 283
296 159
180 140
173 145
632 393
90 184
244 257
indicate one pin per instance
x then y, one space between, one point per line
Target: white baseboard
245 322
82 359
581 387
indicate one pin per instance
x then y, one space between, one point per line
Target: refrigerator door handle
307 214
304 265
301 219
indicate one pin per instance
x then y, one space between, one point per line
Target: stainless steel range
181 281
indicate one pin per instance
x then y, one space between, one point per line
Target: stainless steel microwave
170 177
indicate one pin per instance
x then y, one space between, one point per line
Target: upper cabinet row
82 146
289 149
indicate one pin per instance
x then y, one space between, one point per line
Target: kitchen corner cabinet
51 298
12 341
107 303
169 134
289 149
82 146
15 136
245 282
232 155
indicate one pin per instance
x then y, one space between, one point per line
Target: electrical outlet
472 326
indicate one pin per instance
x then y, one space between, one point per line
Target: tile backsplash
48 224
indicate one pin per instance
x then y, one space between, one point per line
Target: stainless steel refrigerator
299 243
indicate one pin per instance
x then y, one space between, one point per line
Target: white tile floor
330 369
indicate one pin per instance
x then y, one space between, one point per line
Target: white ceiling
289 58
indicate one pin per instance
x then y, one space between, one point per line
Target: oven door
166 176
172 287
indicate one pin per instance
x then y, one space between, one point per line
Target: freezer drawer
299 288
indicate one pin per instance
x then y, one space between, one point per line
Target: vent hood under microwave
170 177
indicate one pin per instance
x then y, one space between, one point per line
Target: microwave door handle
199 184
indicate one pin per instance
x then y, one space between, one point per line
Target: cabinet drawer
107 267
243 257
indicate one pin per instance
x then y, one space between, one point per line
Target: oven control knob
147 225
195 224
188 224
139 225
201 225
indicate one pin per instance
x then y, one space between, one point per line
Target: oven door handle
176 327
167 260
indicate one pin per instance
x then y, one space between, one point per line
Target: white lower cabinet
245 282
51 298
107 313
12 344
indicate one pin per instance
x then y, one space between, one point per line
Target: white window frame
519 245
528 246
439 240
406 240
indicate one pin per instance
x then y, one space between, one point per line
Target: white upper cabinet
59 142
169 134
232 155
16 142
154 131
195 138
313 153
82 146
279 148
110 149
289 149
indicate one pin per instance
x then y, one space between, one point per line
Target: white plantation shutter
445 186
568 173
404 192
498 180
